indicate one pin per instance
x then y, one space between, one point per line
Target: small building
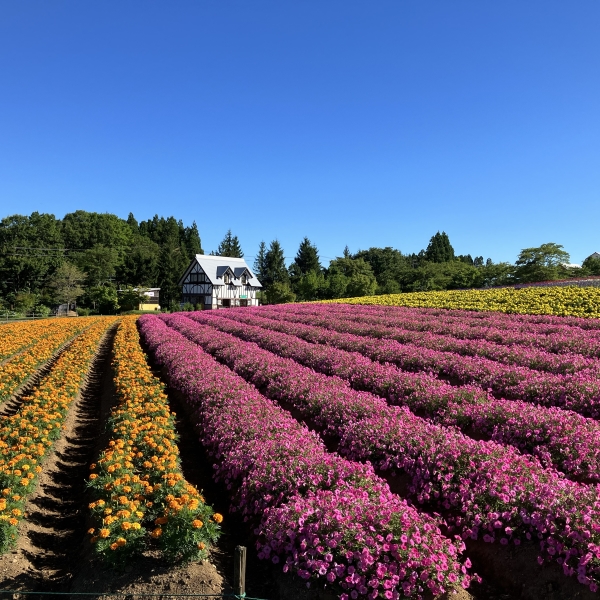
595 256
151 299
219 282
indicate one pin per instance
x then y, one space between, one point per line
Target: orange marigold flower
218 518
156 533
104 533
197 523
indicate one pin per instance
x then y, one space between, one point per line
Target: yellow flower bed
27 436
140 490
17 370
561 301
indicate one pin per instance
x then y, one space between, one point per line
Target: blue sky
358 123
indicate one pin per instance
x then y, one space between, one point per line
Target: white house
219 282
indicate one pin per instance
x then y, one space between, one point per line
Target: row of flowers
17 336
553 334
581 302
411 332
579 392
17 370
558 437
485 490
329 520
140 493
27 436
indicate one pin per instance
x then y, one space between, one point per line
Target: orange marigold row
141 493
27 436
18 369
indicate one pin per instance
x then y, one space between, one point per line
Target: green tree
66 283
103 299
260 263
591 265
542 263
229 246
439 249
100 263
275 270
311 286
307 258
358 277
280 293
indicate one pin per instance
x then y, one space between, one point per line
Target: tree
543 263
307 258
591 264
260 263
275 270
311 286
100 263
66 283
230 246
439 249
104 299
280 293
357 275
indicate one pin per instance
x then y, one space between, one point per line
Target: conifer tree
307 258
260 263
275 265
439 249
230 246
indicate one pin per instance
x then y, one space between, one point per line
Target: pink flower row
327 519
579 392
465 325
484 489
540 324
379 328
559 438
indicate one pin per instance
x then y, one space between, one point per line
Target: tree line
90 257
101 259
389 271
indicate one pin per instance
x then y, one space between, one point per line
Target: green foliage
260 263
543 263
280 293
229 246
66 283
439 249
275 270
130 298
103 298
307 258
591 265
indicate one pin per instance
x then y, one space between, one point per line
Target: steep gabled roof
216 266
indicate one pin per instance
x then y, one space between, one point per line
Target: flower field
27 436
563 301
489 419
137 481
30 345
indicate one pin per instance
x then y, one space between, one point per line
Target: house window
226 278
244 279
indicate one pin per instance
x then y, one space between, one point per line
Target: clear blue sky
359 123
